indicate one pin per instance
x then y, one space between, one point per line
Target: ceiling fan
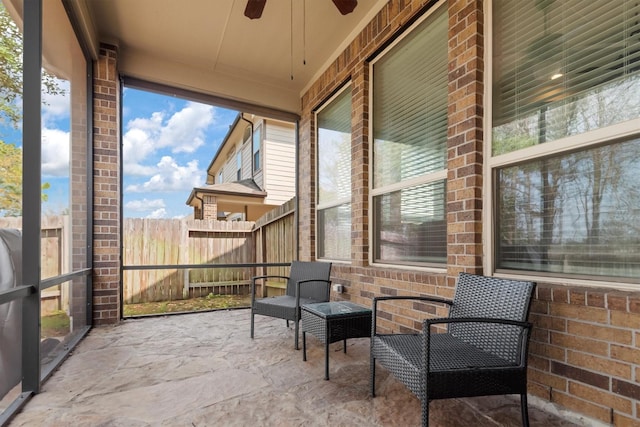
255 7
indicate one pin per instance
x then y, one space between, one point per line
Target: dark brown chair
481 351
308 282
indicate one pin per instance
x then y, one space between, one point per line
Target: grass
210 302
55 324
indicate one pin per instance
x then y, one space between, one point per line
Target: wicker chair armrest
254 278
522 351
428 322
253 283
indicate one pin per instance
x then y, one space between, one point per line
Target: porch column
106 188
306 177
465 139
360 168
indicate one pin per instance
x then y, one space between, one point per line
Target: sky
167 143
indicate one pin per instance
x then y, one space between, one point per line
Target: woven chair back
491 297
305 270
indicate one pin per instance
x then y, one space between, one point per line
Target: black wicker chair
482 349
308 282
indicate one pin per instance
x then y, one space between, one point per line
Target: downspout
255 250
250 124
246 215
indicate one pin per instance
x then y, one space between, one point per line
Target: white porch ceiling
210 47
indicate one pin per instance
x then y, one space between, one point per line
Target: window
257 141
334 177
220 178
409 119
239 164
566 136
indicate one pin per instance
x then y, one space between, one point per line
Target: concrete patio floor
203 370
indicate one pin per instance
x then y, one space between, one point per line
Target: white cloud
184 132
144 205
55 152
170 176
137 145
158 213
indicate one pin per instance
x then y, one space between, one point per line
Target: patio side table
334 321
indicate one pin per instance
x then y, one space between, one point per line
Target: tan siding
229 170
279 166
280 172
259 178
246 160
280 132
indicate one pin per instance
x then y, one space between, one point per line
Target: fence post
183 257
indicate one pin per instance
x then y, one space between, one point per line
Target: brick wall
585 350
106 188
465 142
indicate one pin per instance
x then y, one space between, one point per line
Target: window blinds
410 105
552 54
334 151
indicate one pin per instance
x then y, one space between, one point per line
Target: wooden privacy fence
179 242
272 239
193 242
54 260
276 238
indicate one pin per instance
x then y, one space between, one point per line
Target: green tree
10 179
10 68
11 113
11 71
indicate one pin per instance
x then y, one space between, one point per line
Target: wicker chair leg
372 378
252 323
287 322
296 332
525 411
425 412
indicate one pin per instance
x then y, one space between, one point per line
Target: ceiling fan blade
254 8
345 6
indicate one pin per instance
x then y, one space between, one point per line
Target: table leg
326 359
327 340
344 347
304 346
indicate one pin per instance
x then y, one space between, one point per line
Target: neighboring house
253 171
